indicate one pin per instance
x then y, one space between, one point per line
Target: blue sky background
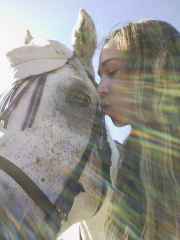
54 19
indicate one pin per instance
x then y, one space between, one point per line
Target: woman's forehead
112 54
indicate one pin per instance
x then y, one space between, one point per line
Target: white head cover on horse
37 57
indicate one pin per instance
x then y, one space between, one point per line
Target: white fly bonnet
37 57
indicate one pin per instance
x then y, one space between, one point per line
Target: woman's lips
105 107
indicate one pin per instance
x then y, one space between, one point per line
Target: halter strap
9 103
27 185
34 102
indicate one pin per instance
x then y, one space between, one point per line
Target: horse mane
75 63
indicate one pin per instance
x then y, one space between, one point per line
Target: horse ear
84 40
28 37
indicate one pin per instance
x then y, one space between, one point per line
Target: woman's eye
112 73
81 99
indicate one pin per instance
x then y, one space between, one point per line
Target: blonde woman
139 69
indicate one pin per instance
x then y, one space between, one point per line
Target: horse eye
81 99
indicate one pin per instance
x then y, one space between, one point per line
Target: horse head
53 138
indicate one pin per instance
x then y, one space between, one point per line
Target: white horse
50 138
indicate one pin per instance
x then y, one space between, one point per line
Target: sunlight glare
72 233
12 36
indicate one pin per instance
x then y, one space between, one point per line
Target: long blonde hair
146 204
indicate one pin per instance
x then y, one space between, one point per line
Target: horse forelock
83 72
75 63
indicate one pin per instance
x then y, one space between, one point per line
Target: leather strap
8 103
35 100
27 185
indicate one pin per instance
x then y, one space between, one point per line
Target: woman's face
116 85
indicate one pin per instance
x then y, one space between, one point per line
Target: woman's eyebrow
104 63
107 60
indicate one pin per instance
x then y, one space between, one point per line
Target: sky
55 19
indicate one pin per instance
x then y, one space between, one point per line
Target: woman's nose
103 87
